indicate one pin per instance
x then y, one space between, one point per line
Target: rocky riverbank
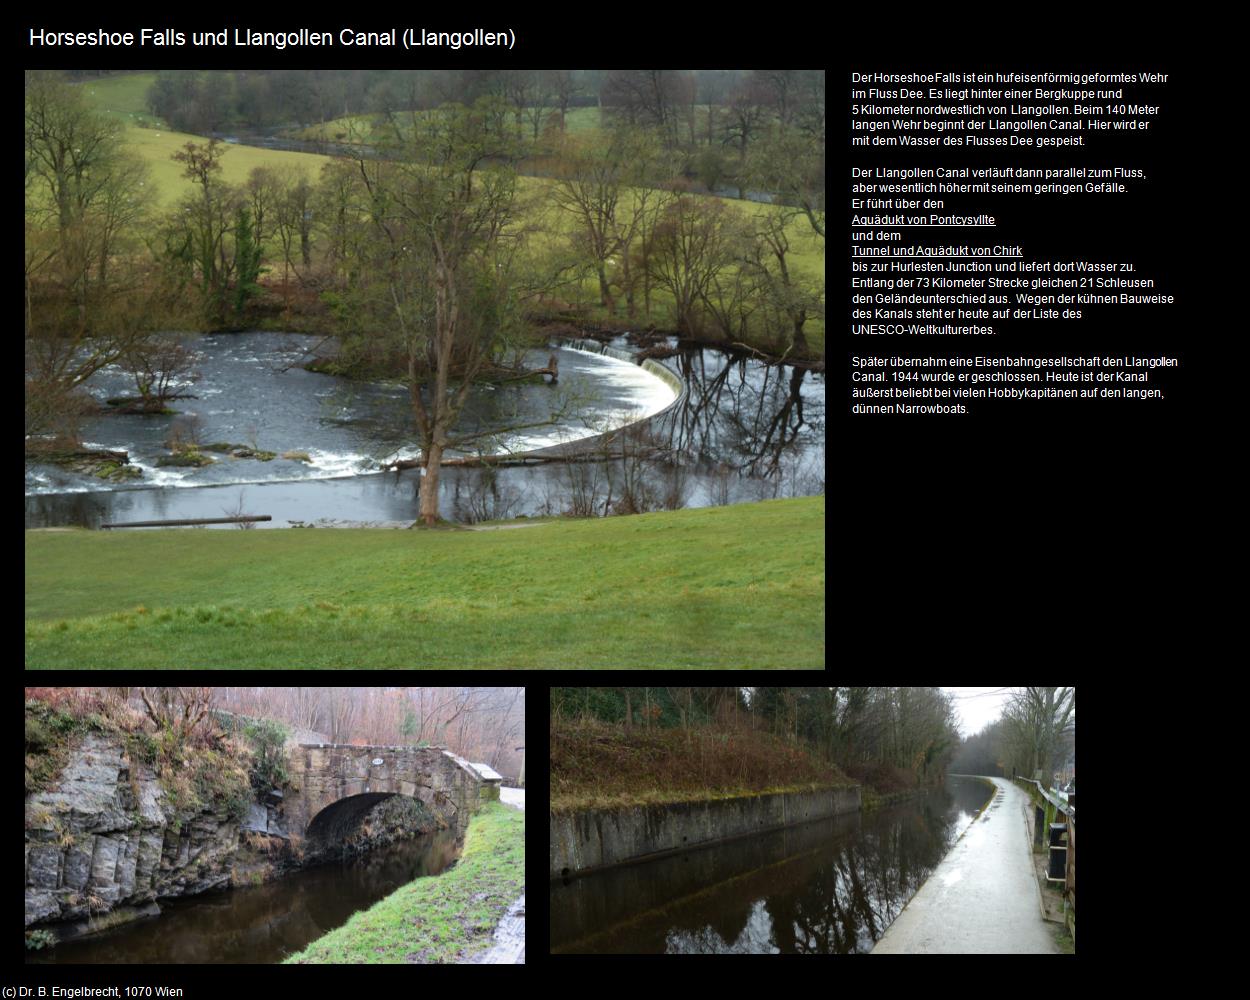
108 832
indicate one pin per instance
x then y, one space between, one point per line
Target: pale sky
977 707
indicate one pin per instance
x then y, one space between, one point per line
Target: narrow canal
831 886
262 924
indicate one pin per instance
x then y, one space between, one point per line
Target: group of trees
485 725
425 250
862 729
87 283
482 724
1036 732
108 275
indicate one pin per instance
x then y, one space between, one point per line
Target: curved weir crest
650 391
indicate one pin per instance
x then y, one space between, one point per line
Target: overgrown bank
448 918
596 765
626 746
119 813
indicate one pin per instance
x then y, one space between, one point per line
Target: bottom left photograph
271 825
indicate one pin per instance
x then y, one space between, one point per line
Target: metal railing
1061 804
1059 807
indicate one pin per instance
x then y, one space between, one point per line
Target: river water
741 431
828 887
262 924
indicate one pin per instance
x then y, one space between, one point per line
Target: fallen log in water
188 521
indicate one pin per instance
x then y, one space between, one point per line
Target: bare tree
1036 719
181 709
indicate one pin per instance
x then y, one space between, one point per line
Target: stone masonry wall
332 772
597 838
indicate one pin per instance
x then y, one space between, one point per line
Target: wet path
983 897
509 947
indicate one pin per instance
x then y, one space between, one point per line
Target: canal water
828 887
740 431
265 923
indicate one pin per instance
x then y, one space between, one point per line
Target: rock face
102 837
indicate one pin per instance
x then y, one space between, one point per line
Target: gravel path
513 797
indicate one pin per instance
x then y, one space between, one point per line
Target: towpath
509 947
983 897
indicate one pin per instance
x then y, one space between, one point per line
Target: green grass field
123 96
730 587
444 918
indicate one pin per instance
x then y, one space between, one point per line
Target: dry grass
594 764
883 778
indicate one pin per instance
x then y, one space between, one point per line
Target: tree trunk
429 484
605 294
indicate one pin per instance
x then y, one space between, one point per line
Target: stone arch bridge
333 785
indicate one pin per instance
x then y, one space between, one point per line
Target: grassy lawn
730 587
124 97
445 918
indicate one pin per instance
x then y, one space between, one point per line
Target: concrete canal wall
597 838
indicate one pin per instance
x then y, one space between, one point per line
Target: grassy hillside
125 98
444 918
596 764
734 587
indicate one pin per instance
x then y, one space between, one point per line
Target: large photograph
564 329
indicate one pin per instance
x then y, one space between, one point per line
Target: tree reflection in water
828 887
761 421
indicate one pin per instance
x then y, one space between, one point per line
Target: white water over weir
654 393
663 373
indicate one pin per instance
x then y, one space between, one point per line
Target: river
265 923
740 431
828 887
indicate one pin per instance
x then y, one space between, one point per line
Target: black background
1055 538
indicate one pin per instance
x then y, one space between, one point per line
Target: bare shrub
181 709
589 492
477 495
185 433
239 510
54 413
160 364
719 490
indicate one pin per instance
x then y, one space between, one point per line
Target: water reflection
749 418
832 886
262 924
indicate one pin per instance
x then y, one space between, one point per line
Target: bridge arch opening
335 823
